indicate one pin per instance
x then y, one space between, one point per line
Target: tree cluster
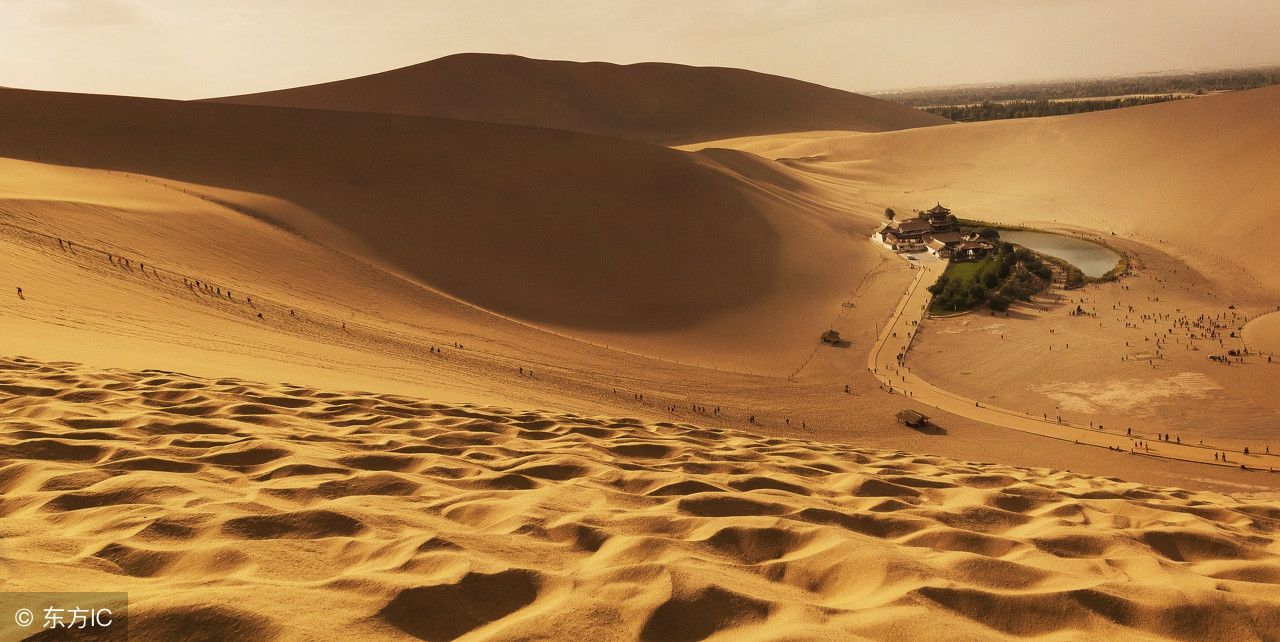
990 110
1005 275
1148 84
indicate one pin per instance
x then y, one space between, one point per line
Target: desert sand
596 386
650 249
1263 333
279 510
653 102
1193 178
1201 282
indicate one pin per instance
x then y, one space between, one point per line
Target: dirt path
895 340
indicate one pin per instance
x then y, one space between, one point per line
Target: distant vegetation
1032 108
992 102
1008 273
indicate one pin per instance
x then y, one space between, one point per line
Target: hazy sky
203 48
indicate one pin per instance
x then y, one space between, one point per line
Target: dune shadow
546 226
930 428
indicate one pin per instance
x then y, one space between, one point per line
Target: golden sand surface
653 102
601 406
272 511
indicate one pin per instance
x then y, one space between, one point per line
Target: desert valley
495 347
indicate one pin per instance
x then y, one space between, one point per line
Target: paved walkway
887 362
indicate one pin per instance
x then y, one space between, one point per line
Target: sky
205 48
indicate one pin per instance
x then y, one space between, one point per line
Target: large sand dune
613 240
1187 189
550 455
278 511
1199 177
653 102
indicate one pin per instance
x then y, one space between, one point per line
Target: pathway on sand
895 340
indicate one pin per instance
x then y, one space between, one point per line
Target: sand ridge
653 102
275 509
671 254
361 327
1195 178
677 467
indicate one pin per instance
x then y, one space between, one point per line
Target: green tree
998 302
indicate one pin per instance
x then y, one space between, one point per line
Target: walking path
895 340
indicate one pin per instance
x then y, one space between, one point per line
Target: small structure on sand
831 336
912 418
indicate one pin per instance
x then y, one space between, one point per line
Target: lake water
1091 258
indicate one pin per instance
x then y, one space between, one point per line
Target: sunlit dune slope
1263 334
269 511
1198 177
617 240
655 102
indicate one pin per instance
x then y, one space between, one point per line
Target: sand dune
1263 333
443 262
313 255
1187 189
654 102
1194 177
273 510
628 244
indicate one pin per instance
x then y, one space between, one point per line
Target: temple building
934 231
940 218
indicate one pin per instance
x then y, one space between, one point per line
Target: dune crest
652 102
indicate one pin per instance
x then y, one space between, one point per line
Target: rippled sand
269 511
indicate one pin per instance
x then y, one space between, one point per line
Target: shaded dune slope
270 510
654 102
548 226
